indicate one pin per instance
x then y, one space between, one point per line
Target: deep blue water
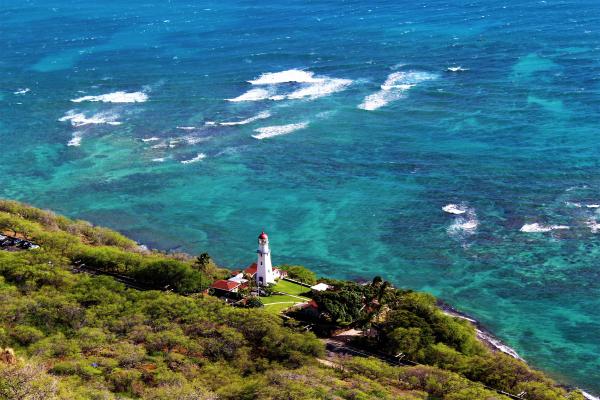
362 139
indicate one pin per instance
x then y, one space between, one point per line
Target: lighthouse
264 268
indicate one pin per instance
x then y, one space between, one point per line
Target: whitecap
465 220
464 225
454 209
253 95
22 91
291 75
151 139
311 86
540 228
159 159
261 115
456 69
116 97
186 128
161 145
193 139
199 157
271 131
80 119
593 205
320 88
593 225
394 88
75 139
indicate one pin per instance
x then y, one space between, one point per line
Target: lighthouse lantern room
264 268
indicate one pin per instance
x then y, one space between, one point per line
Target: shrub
26 335
300 273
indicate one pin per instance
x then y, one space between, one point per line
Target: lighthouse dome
263 236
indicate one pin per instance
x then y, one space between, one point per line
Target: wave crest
394 88
80 119
199 157
115 97
272 131
538 228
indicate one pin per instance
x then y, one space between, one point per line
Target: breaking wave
116 97
536 228
261 115
304 84
253 95
455 209
199 157
320 88
291 75
394 88
465 220
79 119
75 139
272 131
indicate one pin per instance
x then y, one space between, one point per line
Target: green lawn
278 307
290 287
279 302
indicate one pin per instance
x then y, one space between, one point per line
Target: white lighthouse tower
264 269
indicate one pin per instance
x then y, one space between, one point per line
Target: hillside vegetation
83 336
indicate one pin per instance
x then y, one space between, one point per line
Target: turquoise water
360 141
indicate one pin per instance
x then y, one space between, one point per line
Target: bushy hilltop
82 336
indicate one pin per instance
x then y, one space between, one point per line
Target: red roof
311 304
225 285
263 235
251 270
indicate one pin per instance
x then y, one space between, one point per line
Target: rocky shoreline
488 338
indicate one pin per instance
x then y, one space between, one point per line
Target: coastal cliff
80 333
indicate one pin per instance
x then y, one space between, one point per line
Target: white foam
394 88
253 95
454 209
75 139
151 139
457 69
186 128
199 157
193 139
593 225
320 88
159 159
291 75
539 228
115 97
593 206
588 396
465 220
80 119
468 225
272 131
261 115
311 86
497 344
22 91
161 145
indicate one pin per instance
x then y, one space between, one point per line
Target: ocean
451 147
